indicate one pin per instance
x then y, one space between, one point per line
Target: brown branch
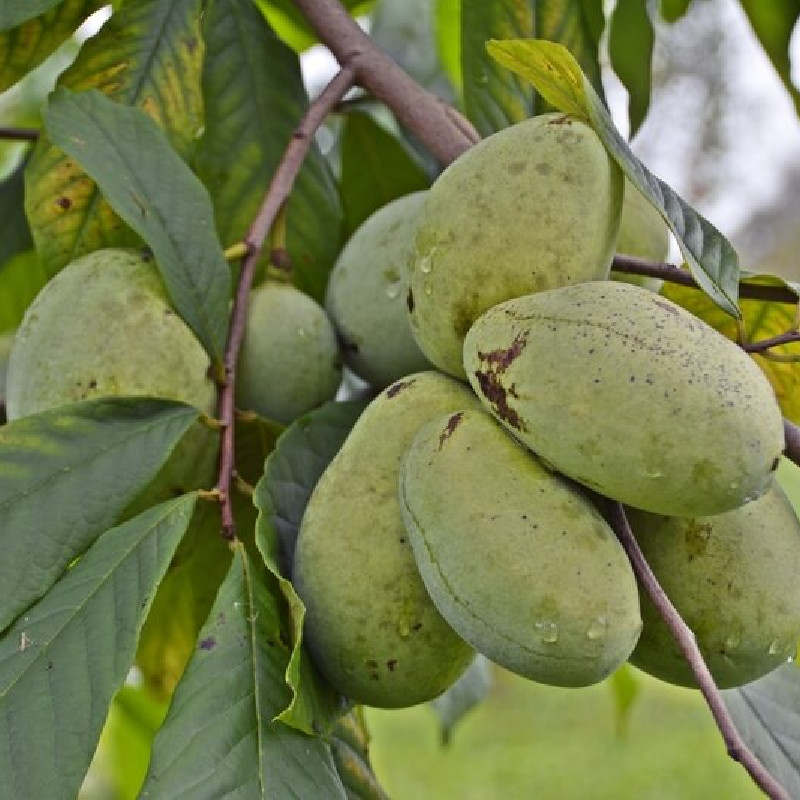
673 274
439 127
276 195
773 341
791 433
19 134
737 749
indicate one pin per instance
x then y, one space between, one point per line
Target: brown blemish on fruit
398 387
666 306
208 644
452 424
496 363
391 664
562 120
64 202
410 301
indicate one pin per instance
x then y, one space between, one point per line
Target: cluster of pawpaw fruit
462 512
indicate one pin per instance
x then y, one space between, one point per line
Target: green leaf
15 235
767 715
149 55
149 186
630 47
14 12
376 169
220 733
254 99
625 690
774 24
495 98
673 10
62 662
558 78
21 279
448 41
26 46
788 476
291 472
255 440
467 692
65 477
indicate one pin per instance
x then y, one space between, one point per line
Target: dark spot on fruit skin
92 384
64 202
565 120
410 301
497 362
208 644
371 662
391 664
416 626
775 464
666 306
452 424
398 387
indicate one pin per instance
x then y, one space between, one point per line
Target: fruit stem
791 434
276 195
19 134
737 749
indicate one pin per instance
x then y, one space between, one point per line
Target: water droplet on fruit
774 647
301 331
734 485
426 264
598 628
653 473
427 288
733 641
548 631
393 290
403 629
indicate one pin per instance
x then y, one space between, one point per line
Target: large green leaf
154 191
15 12
767 715
148 54
26 46
630 47
62 662
376 169
65 476
494 97
558 77
15 235
774 23
291 472
254 100
220 733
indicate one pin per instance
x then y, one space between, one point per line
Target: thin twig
276 195
431 120
673 274
791 433
773 341
19 134
737 749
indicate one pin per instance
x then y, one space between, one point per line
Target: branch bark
274 199
737 749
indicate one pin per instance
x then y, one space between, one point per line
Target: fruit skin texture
289 362
529 208
627 393
733 579
104 327
515 558
642 233
367 292
370 625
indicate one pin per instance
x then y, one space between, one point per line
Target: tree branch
791 434
773 341
442 129
737 749
19 134
274 199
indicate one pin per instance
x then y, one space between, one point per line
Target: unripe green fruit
733 578
370 625
531 207
104 327
367 294
289 362
516 558
626 392
642 233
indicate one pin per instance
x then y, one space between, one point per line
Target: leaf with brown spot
149 55
762 319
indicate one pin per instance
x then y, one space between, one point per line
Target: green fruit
370 625
367 293
516 558
6 341
531 207
642 233
733 578
289 362
628 393
104 327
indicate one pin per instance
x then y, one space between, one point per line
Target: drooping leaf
65 476
21 279
767 715
220 733
494 97
558 78
255 440
762 320
774 23
254 99
467 692
630 47
154 191
625 690
62 662
376 169
149 55
15 235
25 47
673 10
291 472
